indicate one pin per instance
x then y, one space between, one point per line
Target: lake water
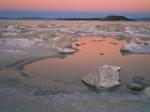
65 73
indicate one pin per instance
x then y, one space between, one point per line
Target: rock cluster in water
106 77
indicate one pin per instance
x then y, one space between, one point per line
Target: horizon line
69 14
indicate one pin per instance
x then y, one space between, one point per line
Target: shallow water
65 73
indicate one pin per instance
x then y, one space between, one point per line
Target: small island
116 18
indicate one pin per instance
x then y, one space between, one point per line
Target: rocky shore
23 43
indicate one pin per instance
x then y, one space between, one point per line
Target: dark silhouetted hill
116 18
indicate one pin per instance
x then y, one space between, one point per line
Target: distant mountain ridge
107 18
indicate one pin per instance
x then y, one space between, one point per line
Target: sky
74 8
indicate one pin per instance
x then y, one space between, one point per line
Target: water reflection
71 68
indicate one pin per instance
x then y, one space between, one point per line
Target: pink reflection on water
73 67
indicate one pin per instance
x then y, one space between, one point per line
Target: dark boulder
135 86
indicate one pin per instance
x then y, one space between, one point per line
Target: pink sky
76 5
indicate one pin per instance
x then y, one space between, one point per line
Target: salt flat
25 43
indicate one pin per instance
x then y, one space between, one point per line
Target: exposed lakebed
65 73
34 77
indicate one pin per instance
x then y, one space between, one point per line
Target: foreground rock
136 48
103 76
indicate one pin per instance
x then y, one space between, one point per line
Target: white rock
11 51
138 40
146 92
129 30
10 34
147 42
66 50
11 28
38 40
103 76
136 48
15 43
62 42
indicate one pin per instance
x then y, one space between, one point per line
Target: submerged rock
96 40
138 83
135 86
103 76
114 42
101 53
66 50
136 48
